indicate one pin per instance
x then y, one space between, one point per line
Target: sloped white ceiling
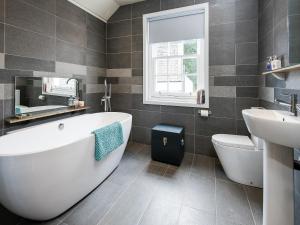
103 9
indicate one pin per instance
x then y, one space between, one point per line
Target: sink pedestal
278 208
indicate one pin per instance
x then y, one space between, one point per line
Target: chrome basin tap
294 106
77 86
107 96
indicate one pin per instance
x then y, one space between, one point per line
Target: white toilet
241 158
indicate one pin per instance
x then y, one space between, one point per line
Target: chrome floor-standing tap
107 96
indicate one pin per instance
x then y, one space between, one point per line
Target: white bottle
276 63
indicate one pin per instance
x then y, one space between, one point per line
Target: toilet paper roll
204 113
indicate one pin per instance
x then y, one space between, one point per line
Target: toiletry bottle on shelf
276 63
269 64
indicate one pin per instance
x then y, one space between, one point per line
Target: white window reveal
176 57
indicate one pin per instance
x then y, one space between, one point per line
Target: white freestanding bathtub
46 169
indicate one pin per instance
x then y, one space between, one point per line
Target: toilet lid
237 141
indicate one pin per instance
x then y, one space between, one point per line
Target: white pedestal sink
281 132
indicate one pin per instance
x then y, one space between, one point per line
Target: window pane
174 66
190 66
190 47
161 87
160 49
175 48
190 83
161 67
175 87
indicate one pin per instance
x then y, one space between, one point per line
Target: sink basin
278 127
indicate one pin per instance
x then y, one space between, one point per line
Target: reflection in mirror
59 86
35 94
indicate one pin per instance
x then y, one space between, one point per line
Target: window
176 56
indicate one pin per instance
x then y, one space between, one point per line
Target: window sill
169 102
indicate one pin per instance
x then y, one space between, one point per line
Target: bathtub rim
129 117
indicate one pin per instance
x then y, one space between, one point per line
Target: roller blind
177 27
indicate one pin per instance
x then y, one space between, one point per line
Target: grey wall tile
28 44
69 53
222 107
222 70
247 31
225 81
1 37
119 45
25 16
213 125
251 92
171 4
47 5
95 25
137 43
8 76
96 42
137 103
70 32
141 8
153 118
241 128
137 60
245 103
95 59
222 54
137 26
247 70
185 120
23 63
203 146
247 80
247 53
123 13
122 60
141 135
118 29
2 10
222 91
178 110
70 12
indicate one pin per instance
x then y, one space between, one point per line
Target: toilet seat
235 141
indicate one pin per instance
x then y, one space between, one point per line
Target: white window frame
148 87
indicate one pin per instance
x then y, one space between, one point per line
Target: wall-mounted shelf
14 120
281 73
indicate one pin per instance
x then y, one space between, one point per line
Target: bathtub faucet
107 96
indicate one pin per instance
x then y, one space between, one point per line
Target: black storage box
167 144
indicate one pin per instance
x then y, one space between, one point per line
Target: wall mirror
36 94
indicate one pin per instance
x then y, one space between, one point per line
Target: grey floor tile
203 166
200 193
172 184
225 221
129 209
128 169
220 173
160 212
232 203
93 208
189 216
255 197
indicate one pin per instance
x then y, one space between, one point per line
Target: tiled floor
143 192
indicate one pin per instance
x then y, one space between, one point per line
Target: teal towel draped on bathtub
107 139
